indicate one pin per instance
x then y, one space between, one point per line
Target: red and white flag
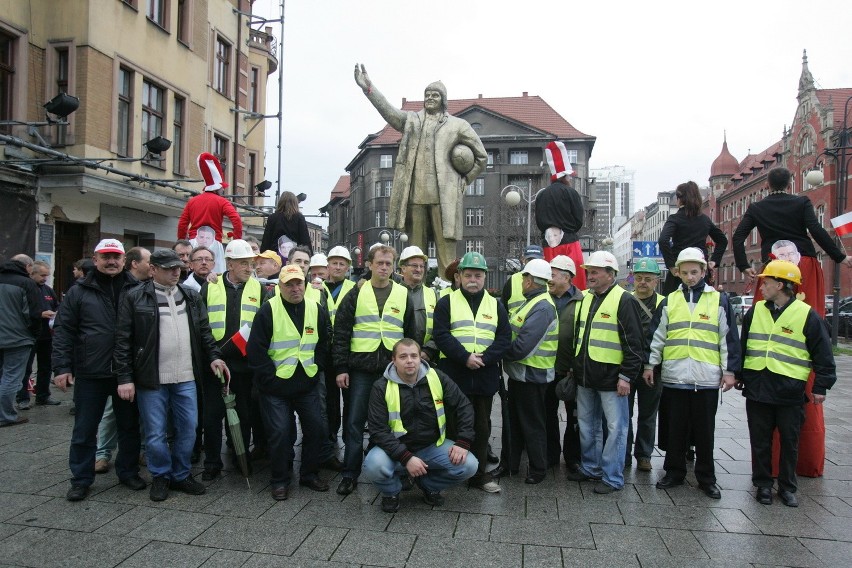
842 224
241 338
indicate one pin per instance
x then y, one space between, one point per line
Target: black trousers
526 412
332 406
763 419
570 448
481 428
42 351
691 412
214 414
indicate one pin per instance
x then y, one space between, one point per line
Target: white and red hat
211 171
557 159
110 245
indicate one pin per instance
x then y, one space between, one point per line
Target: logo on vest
252 299
309 330
786 330
487 316
439 402
703 317
394 310
605 315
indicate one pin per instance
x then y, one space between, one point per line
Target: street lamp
392 235
816 177
514 194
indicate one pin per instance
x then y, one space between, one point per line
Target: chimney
525 93
480 95
403 101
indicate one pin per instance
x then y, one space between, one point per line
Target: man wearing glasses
201 262
412 263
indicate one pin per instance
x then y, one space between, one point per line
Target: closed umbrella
233 421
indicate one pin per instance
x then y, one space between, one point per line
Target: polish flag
842 224
241 338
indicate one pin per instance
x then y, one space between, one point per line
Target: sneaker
24 405
433 498
189 485
47 402
159 489
101 466
390 504
489 487
643 464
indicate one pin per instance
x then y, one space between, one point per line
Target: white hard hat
340 251
412 252
563 262
319 259
691 254
601 259
238 248
539 268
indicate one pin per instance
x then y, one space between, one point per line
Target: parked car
740 305
845 311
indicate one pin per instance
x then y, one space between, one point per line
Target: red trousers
573 251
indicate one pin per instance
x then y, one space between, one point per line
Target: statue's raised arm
393 116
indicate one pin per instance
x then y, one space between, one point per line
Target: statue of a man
439 155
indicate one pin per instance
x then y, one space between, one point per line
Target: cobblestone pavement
555 523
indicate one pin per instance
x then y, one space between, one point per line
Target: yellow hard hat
783 270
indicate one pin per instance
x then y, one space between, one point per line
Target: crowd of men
151 340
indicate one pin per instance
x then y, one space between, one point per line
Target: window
177 135
476 188
222 66
183 21
254 89
431 251
381 218
386 161
125 110
474 216
152 110
7 76
158 11
474 245
491 157
252 173
820 215
572 156
807 146
519 157
61 74
383 188
754 236
220 150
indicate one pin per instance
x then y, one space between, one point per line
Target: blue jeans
277 413
357 401
599 458
13 363
385 473
90 396
155 405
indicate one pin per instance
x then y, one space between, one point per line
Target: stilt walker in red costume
781 216
559 211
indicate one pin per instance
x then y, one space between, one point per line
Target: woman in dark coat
689 227
288 222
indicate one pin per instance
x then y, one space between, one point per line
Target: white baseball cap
110 245
563 262
601 259
539 268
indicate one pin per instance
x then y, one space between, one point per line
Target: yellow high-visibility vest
333 304
217 297
372 329
604 345
475 333
693 335
287 349
544 355
779 345
395 412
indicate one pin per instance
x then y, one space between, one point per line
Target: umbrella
233 420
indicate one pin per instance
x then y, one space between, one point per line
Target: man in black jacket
44 342
408 429
288 350
83 343
20 319
159 323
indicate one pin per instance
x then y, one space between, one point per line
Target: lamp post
391 235
815 177
514 194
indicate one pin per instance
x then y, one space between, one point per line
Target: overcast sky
656 82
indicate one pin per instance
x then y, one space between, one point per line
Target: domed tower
724 167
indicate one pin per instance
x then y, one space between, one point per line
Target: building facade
189 71
514 131
615 198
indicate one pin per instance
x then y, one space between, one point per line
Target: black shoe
196 456
390 504
159 489
764 495
315 484
669 481
788 498
492 457
602 488
77 493
210 474
690 455
711 490
333 464
407 483
189 485
24 405
47 402
578 475
535 478
347 486
280 493
501 471
433 498
135 483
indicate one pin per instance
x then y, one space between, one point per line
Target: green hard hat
473 260
648 265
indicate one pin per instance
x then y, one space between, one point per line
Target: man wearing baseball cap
609 347
83 343
288 350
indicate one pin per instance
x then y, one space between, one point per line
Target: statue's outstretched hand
361 77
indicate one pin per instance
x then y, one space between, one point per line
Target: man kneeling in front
407 429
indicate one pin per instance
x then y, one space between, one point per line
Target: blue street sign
646 249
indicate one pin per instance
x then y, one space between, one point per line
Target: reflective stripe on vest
693 335
604 345
779 345
372 329
429 301
544 354
217 297
334 304
395 410
287 349
516 294
476 334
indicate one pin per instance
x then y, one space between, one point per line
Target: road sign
646 249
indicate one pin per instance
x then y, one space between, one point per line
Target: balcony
267 43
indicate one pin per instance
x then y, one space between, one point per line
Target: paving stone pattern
555 523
